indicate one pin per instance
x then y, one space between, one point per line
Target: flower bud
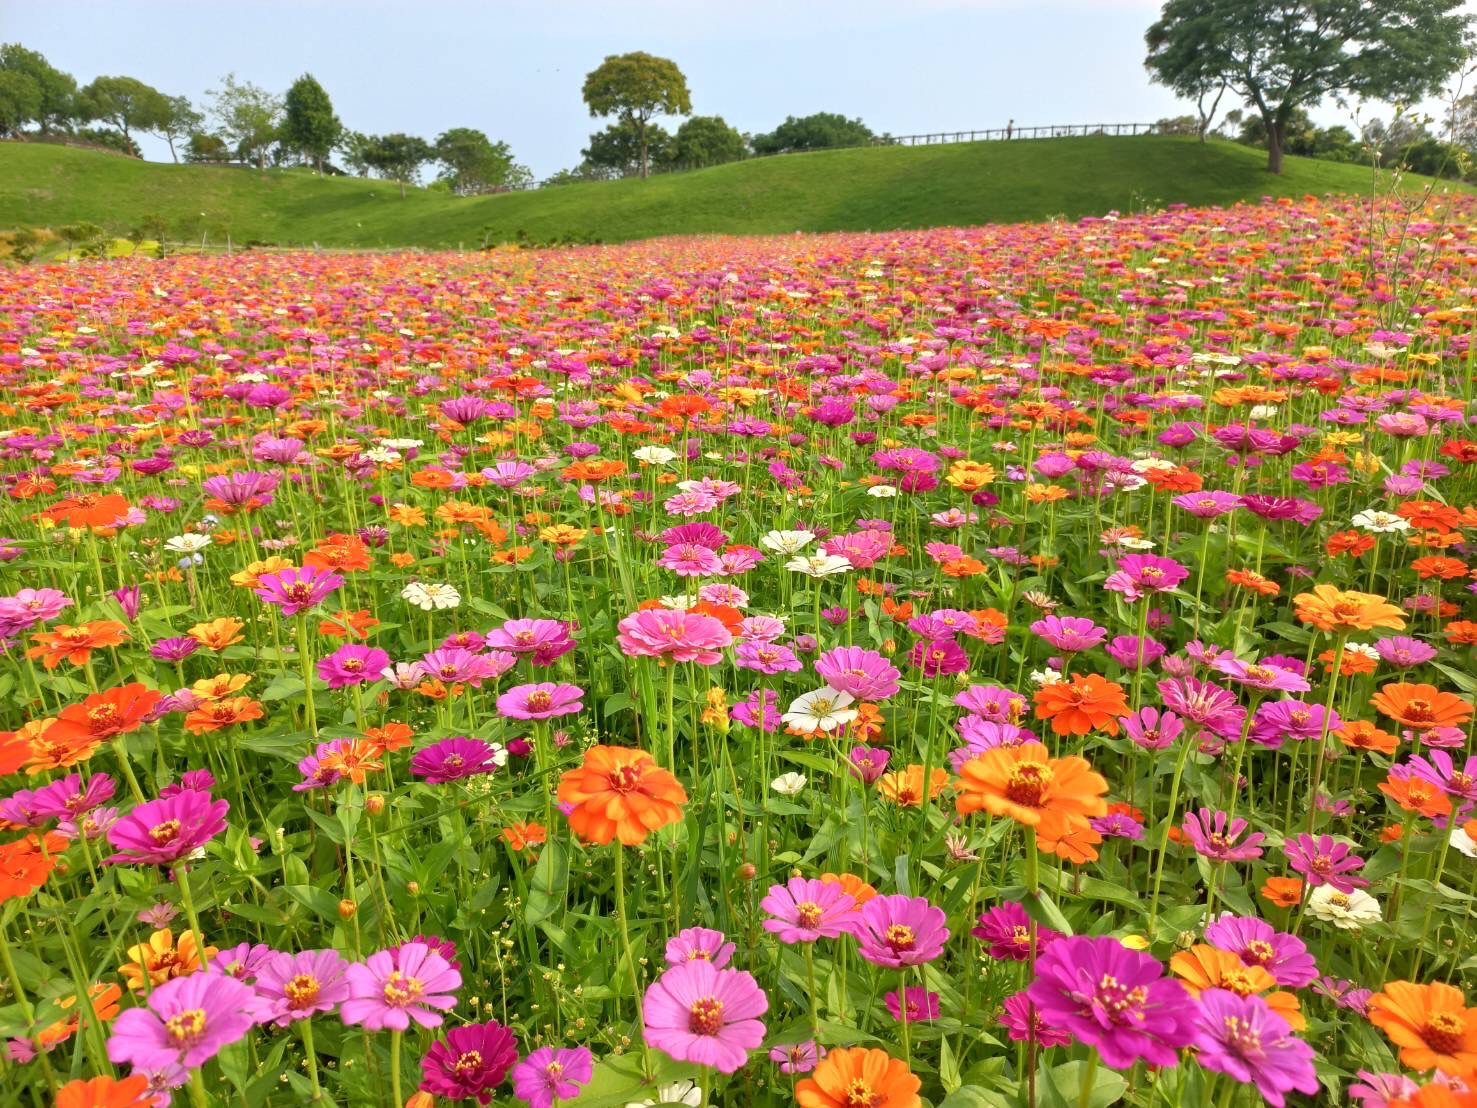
347 908
374 804
747 872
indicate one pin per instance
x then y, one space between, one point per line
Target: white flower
383 455
1133 542
427 595
882 492
404 675
401 444
1348 911
1152 465
822 710
687 1091
1045 677
820 565
1363 649
1263 411
677 603
788 784
787 542
654 455
187 544
1381 523
1463 842
499 754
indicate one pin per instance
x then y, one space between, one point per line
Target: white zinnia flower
654 455
787 542
686 1091
820 565
1045 677
1381 523
1463 843
1348 911
882 492
788 784
427 595
187 544
822 710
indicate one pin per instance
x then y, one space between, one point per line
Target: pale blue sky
513 68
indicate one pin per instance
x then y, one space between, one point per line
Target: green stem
312 1056
184 888
1174 798
395 1067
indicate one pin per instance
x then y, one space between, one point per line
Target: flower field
973 667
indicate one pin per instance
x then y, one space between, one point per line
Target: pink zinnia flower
865 674
897 931
352 664
804 910
1069 634
161 831
690 560
1204 703
1023 1022
452 759
798 1057
922 1004
297 590
1325 861
1243 1038
552 1072
698 1013
540 701
382 995
993 703
295 986
682 636
1257 943
188 1021
766 657
472 1062
1214 835
1260 675
1152 729
1140 575
1006 934
699 944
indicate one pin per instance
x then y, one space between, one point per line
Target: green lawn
881 188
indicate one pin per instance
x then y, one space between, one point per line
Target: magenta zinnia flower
1257 943
1005 931
188 1021
1140 575
798 1057
1212 838
767 658
865 674
682 636
1152 729
541 701
1069 634
1022 1022
161 831
297 590
698 1013
922 1004
295 986
1243 1037
472 1062
391 990
1114 999
551 1072
453 759
1260 675
1324 861
352 664
897 931
805 909
1204 703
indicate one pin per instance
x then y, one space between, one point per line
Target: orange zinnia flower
1447 569
391 737
105 999
859 1075
1462 632
1421 707
75 644
1415 794
1284 892
162 959
1330 609
1055 795
852 885
24 867
103 1092
218 633
1360 734
1247 579
1072 842
222 713
620 793
348 625
90 509
520 836
1086 703
1431 1024
905 787
1204 967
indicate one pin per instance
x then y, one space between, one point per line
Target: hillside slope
880 188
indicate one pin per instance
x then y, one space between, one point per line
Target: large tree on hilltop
634 88
1281 55
308 122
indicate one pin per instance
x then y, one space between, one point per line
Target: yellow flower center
1028 783
185 1028
401 991
705 1017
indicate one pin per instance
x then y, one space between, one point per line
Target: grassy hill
880 188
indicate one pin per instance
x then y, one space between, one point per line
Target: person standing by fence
1009 130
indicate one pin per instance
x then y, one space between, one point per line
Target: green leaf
317 900
550 881
1043 910
1066 1081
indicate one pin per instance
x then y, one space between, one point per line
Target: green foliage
474 163
125 103
1280 57
177 123
821 131
706 140
634 88
204 147
308 123
397 157
619 148
20 101
248 116
57 91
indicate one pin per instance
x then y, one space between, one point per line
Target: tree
126 104
20 101
1290 54
178 122
309 124
474 163
355 147
821 131
634 88
57 91
707 140
206 147
248 116
398 157
626 152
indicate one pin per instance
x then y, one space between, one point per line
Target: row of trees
242 123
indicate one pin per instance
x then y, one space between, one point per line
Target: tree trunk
170 139
402 188
1276 132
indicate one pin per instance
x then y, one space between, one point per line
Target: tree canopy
1294 53
474 163
635 88
820 131
248 116
308 122
126 104
48 95
706 140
